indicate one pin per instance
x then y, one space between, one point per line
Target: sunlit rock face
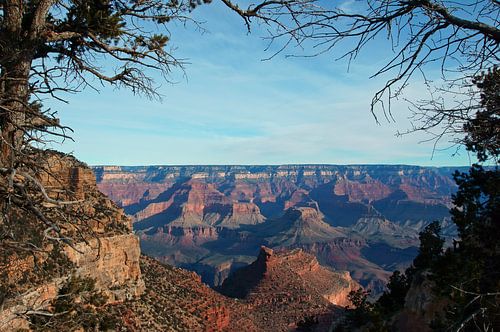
105 250
213 219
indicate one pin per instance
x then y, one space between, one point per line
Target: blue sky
230 107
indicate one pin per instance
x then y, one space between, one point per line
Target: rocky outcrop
423 307
67 173
299 226
421 302
340 294
176 300
113 262
282 288
111 255
242 213
99 245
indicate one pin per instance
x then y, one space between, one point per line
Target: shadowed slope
176 300
298 226
284 288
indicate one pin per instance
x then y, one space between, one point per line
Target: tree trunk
15 65
14 106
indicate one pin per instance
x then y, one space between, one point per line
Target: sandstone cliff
98 245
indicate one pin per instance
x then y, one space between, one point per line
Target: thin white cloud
234 108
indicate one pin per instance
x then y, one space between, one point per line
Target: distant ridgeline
213 219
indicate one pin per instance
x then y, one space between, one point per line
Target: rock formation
141 294
107 252
177 300
213 219
363 219
299 226
284 288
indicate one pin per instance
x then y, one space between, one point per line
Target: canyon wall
213 219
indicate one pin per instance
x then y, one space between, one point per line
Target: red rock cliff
110 254
281 288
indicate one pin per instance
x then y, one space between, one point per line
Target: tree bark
15 66
15 90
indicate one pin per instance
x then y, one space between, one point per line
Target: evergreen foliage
468 275
363 308
394 298
483 130
78 306
431 248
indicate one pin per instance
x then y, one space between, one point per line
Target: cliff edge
96 243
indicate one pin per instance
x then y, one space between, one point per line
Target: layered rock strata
107 252
213 219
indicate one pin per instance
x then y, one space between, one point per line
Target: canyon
102 282
213 220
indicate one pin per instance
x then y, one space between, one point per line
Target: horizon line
276 165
